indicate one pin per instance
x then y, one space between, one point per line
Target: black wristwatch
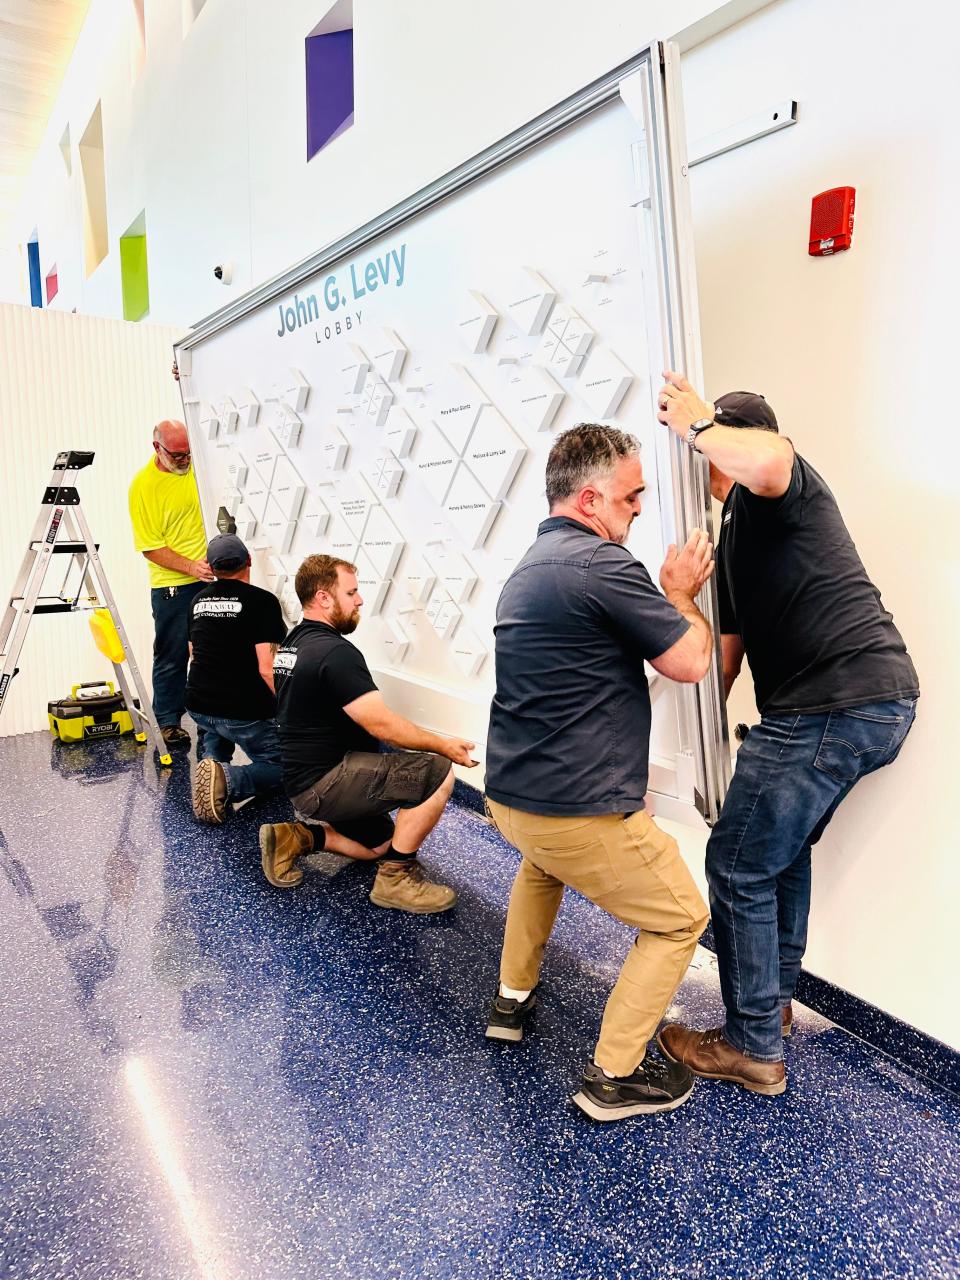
703 424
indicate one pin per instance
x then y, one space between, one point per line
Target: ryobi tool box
93 710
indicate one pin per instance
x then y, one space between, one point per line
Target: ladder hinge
60 495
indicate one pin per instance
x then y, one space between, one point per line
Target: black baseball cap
226 551
745 409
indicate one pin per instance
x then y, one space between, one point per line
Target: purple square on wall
329 87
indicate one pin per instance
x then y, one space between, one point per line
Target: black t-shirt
317 672
570 720
792 586
227 620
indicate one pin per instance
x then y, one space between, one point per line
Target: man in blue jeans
837 694
168 532
234 630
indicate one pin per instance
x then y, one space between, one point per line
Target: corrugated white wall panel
76 382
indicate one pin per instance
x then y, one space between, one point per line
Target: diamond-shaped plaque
376 399
494 453
288 428
416 583
604 382
209 420
467 651
354 500
532 301
434 464
385 474
354 370
400 432
382 542
469 508
395 641
454 571
476 322
286 488
455 403
236 467
334 450
229 416
315 516
532 394
294 392
248 408
389 353
373 588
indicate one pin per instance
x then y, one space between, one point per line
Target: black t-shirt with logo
791 584
317 672
227 620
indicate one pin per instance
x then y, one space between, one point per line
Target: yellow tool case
93 710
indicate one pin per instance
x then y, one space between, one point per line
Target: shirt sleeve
147 534
620 590
788 508
346 676
268 624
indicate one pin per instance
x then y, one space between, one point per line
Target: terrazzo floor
202 1076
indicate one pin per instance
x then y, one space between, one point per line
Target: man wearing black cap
234 630
837 694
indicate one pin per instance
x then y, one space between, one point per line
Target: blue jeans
259 739
171 614
792 772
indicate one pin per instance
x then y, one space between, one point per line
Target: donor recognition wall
396 408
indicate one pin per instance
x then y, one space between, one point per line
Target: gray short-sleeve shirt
570 720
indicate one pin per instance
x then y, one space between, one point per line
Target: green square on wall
133 275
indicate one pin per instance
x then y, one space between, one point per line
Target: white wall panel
855 353
77 382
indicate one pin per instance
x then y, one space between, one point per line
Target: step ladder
62 530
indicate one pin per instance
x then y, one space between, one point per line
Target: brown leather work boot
786 1019
280 846
708 1054
405 887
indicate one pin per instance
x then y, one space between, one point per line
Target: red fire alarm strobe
831 221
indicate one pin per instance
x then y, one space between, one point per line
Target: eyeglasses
175 457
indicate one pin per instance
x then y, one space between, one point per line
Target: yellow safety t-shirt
165 512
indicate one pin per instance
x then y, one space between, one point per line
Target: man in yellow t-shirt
168 530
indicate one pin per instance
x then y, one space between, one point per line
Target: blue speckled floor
201 1076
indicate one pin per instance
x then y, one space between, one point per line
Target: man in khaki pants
567 757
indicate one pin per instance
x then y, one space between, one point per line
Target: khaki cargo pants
632 869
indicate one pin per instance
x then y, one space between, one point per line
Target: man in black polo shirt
837 695
567 757
233 628
332 719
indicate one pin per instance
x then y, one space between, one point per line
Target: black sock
319 837
394 855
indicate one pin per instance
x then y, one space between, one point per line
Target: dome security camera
223 271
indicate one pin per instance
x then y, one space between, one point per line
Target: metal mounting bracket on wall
780 116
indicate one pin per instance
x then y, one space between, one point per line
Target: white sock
512 994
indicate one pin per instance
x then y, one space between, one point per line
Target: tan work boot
280 846
786 1019
210 792
405 887
708 1054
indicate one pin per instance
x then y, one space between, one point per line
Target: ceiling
37 38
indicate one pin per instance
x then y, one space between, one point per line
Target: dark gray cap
745 409
226 551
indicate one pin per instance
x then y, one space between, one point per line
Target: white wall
857 355
210 137
76 382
